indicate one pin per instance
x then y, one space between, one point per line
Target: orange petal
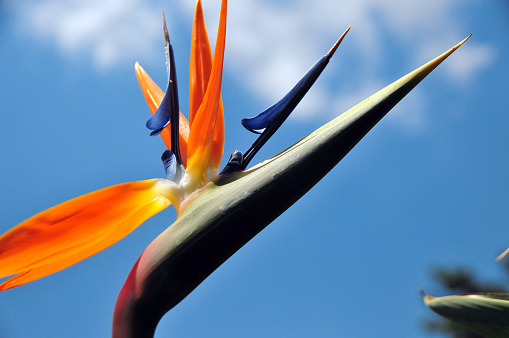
216 152
154 95
77 229
201 62
201 65
203 126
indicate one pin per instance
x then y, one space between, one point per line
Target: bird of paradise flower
72 231
208 203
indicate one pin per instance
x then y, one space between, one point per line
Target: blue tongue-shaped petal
267 122
258 123
283 108
162 116
278 112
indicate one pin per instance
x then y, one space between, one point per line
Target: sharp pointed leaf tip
167 47
425 296
165 31
336 45
462 42
502 255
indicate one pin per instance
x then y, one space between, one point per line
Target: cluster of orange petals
201 138
77 229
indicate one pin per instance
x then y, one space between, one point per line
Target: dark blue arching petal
283 108
268 121
258 123
174 170
162 116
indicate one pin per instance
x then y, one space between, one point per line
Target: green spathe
225 214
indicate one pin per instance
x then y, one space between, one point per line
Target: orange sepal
203 126
154 95
201 62
201 65
77 229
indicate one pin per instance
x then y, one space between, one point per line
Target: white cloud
107 31
271 44
274 44
470 61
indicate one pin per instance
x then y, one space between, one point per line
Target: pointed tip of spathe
425 296
336 45
423 71
453 49
462 42
165 29
502 255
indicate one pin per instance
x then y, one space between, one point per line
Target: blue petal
162 116
174 171
267 122
287 104
258 123
234 163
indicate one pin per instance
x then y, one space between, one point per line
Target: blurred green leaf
484 313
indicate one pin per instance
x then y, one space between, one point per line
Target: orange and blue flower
77 229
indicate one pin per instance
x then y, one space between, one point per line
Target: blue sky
428 186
